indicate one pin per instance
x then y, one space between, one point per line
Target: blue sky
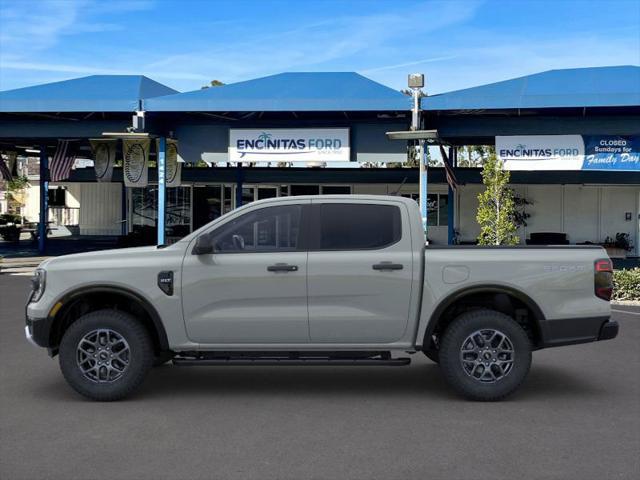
184 44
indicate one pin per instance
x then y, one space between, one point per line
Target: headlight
38 283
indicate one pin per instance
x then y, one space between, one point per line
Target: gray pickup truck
324 280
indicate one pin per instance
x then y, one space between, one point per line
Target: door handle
387 266
282 267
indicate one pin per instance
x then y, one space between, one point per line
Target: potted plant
16 191
618 247
10 227
11 222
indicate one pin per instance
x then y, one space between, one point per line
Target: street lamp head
416 80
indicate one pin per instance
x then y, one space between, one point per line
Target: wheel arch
494 295
75 302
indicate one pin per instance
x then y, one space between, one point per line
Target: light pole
416 83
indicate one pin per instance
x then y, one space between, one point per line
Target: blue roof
576 87
288 92
96 93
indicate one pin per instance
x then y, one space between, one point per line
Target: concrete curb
633 303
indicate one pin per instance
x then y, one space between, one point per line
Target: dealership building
570 137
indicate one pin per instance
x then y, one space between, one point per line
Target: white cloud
344 40
350 42
436 37
494 59
89 70
30 27
408 64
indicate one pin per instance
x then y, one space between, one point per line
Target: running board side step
313 361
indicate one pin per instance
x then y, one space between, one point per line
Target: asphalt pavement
576 417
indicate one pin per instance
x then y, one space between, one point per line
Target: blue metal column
453 153
423 185
162 190
239 180
44 200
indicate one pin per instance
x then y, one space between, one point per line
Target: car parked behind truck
317 280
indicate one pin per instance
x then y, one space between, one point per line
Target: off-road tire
451 347
140 356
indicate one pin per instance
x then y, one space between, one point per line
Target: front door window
270 229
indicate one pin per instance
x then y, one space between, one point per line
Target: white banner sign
289 145
136 162
104 157
541 152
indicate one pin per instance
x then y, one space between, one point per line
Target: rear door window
356 226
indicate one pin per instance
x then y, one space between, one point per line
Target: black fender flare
69 297
489 289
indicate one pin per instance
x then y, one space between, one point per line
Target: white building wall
31 209
100 208
73 195
370 189
585 213
580 213
615 203
546 209
466 207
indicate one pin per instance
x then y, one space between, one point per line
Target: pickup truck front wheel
485 355
105 355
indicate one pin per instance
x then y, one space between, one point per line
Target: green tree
496 208
15 194
412 159
474 155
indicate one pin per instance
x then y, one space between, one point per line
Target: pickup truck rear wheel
485 355
105 355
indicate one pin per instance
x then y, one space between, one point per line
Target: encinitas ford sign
569 152
289 145
541 152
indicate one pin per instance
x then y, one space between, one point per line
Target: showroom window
57 197
144 210
437 208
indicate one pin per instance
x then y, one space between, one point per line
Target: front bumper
572 331
29 335
37 331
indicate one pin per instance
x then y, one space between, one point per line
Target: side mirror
203 245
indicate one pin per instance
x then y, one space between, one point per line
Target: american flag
5 172
450 174
62 161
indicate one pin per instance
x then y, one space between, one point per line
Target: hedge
626 284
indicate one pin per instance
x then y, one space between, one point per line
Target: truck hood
130 257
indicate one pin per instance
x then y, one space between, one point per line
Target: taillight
603 278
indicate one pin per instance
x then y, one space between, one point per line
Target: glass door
251 193
266 192
207 204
